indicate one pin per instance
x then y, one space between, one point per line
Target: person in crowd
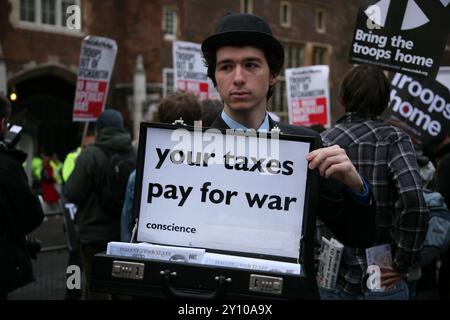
20 213
96 226
243 61
36 168
69 161
70 227
427 169
57 171
386 156
443 186
178 105
422 279
210 110
50 194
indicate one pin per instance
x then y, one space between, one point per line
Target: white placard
97 58
189 71
150 251
250 263
223 205
380 256
329 262
308 95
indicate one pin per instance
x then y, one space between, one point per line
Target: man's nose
238 78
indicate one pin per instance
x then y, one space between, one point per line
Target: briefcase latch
266 284
128 270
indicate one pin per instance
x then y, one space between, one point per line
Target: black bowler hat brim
242 38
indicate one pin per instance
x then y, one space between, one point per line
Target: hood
114 139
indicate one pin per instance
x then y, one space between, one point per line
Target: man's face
243 77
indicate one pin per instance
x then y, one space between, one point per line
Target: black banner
407 36
424 106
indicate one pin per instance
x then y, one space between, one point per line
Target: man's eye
225 67
251 65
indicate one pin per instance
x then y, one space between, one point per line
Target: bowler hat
243 29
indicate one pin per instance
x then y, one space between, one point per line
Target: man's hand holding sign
333 162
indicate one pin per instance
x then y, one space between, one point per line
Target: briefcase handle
174 293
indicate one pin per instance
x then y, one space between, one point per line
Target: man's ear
273 79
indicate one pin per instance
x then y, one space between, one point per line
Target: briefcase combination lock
266 284
128 270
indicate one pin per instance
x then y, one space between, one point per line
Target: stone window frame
288 22
320 21
168 86
175 23
294 54
247 6
37 24
326 53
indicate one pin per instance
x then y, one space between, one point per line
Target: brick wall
136 25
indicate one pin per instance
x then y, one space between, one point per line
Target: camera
12 135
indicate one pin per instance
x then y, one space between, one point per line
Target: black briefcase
202 217
161 279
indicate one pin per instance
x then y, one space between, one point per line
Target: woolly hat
110 118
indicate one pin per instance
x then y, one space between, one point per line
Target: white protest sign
210 190
190 73
308 95
97 59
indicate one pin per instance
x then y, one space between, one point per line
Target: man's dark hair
275 64
178 105
365 91
5 107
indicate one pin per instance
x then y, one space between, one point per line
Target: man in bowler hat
243 60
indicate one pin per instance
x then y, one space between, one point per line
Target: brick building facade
40 54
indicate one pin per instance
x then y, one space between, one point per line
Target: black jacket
443 173
20 213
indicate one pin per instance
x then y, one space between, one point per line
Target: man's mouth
240 94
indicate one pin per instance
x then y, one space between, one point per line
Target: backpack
113 189
438 234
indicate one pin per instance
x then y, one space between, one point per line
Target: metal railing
51 263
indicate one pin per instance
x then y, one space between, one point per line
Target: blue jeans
400 292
